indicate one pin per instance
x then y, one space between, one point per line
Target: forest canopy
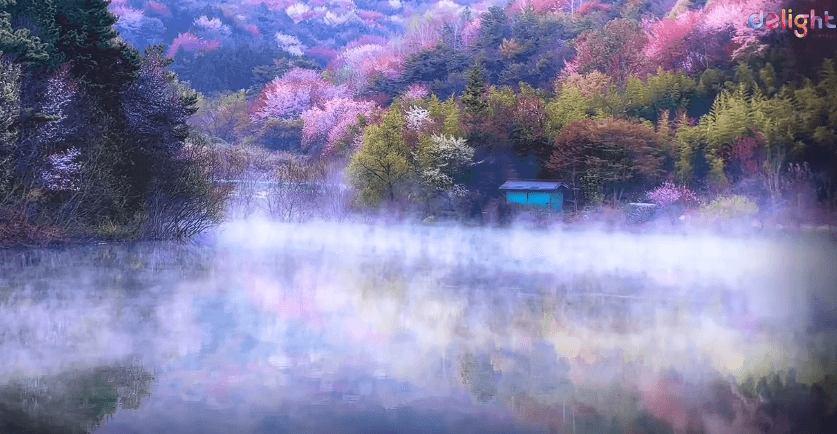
430 114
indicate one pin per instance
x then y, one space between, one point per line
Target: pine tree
474 96
9 111
103 63
22 43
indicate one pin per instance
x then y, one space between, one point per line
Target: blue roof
533 185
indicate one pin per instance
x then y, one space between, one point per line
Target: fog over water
269 328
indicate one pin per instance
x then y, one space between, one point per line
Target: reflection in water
76 401
348 328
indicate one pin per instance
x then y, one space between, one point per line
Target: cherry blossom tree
669 194
254 30
667 47
471 32
60 102
290 44
745 42
591 7
326 127
49 118
551 6
358 64
213 25
286 97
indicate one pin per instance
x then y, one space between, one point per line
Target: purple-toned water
351 328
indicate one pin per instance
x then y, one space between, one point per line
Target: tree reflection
72 402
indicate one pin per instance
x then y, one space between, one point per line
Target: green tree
382 164
10 76
570 106
739 113
23 43
103 63
474 97
492 27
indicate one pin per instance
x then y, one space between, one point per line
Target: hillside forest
133 119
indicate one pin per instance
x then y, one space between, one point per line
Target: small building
545 194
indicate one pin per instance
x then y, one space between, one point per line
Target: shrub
730 207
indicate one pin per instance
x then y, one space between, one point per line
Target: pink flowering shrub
669 194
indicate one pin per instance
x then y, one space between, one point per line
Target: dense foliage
615 98
94 132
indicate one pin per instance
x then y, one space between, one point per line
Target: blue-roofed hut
545 194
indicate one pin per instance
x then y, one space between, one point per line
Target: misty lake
270 328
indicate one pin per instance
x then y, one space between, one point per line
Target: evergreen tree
474 96
103 63
492 27
9 110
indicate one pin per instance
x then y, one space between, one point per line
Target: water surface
354 329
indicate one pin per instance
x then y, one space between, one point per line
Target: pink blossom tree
286 97
327 127
670 194
358 64
744 42
667 41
